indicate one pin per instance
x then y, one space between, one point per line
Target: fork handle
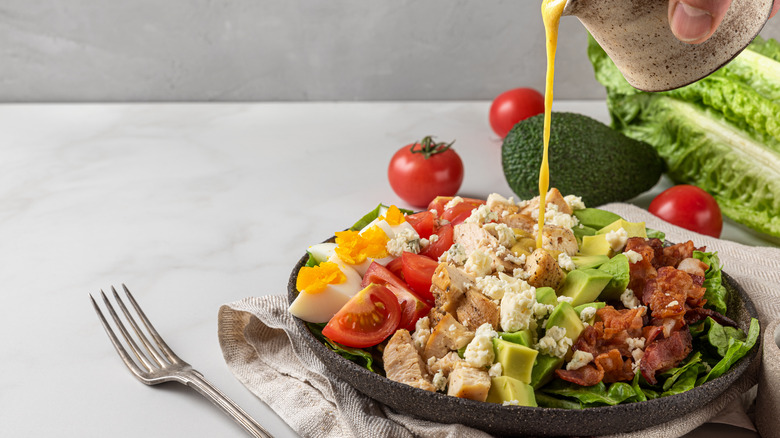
205 388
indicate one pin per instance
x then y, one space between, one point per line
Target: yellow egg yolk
394 216
315 279
354 248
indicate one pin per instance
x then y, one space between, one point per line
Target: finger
694 21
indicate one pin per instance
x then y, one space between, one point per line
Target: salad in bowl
459 301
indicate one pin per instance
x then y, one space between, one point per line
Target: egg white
320 307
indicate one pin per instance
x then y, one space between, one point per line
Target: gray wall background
283 50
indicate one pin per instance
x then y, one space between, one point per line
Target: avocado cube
584 285
597 305
595 245
595 218
618 268
506 389
580 232
544 369
546 295
590 261
633 229
516 360
566 317
522 337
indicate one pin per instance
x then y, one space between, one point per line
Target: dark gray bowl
521 420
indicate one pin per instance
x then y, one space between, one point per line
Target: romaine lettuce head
721 133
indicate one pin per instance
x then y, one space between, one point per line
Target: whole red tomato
689 207
513 106
421 171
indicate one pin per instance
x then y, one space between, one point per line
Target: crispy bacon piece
663 354
587 375
608 367
589 338
696 314
643 270
667 293
614 367
651 332
615 321
673 255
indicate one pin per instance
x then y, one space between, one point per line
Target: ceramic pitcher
637 36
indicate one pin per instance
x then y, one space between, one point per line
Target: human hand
694 21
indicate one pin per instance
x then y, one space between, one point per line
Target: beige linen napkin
262 349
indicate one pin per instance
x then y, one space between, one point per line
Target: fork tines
151 360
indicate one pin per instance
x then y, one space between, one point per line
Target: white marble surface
192 206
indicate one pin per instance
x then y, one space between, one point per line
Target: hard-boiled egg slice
322 251
330 286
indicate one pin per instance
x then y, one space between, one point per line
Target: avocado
516 360
546 295
617 267
544 369
566 317
595 218
633 229
584 285
582 231
591 261
506 389
595 245
586 158
597 305
522 337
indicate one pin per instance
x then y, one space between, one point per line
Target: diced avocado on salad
464 304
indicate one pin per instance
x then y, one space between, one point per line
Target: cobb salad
458 299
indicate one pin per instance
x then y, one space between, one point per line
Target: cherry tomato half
367 319
423 222
420 171
689 207
413 305
446 237
512 106
440 202
418 272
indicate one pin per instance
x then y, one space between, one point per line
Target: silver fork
161 364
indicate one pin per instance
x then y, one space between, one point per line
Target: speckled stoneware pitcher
637 36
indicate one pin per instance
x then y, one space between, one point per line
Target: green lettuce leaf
721 133
655 234
373 214
716 294
686 380
671 376
720 337
362 357
369 217
547 401
596 395
736 350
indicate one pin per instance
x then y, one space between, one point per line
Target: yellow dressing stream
551 14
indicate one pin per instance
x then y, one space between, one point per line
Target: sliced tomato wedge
367 319
396 267
446 235
440 201
459 213
418 272
423 222
413 306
